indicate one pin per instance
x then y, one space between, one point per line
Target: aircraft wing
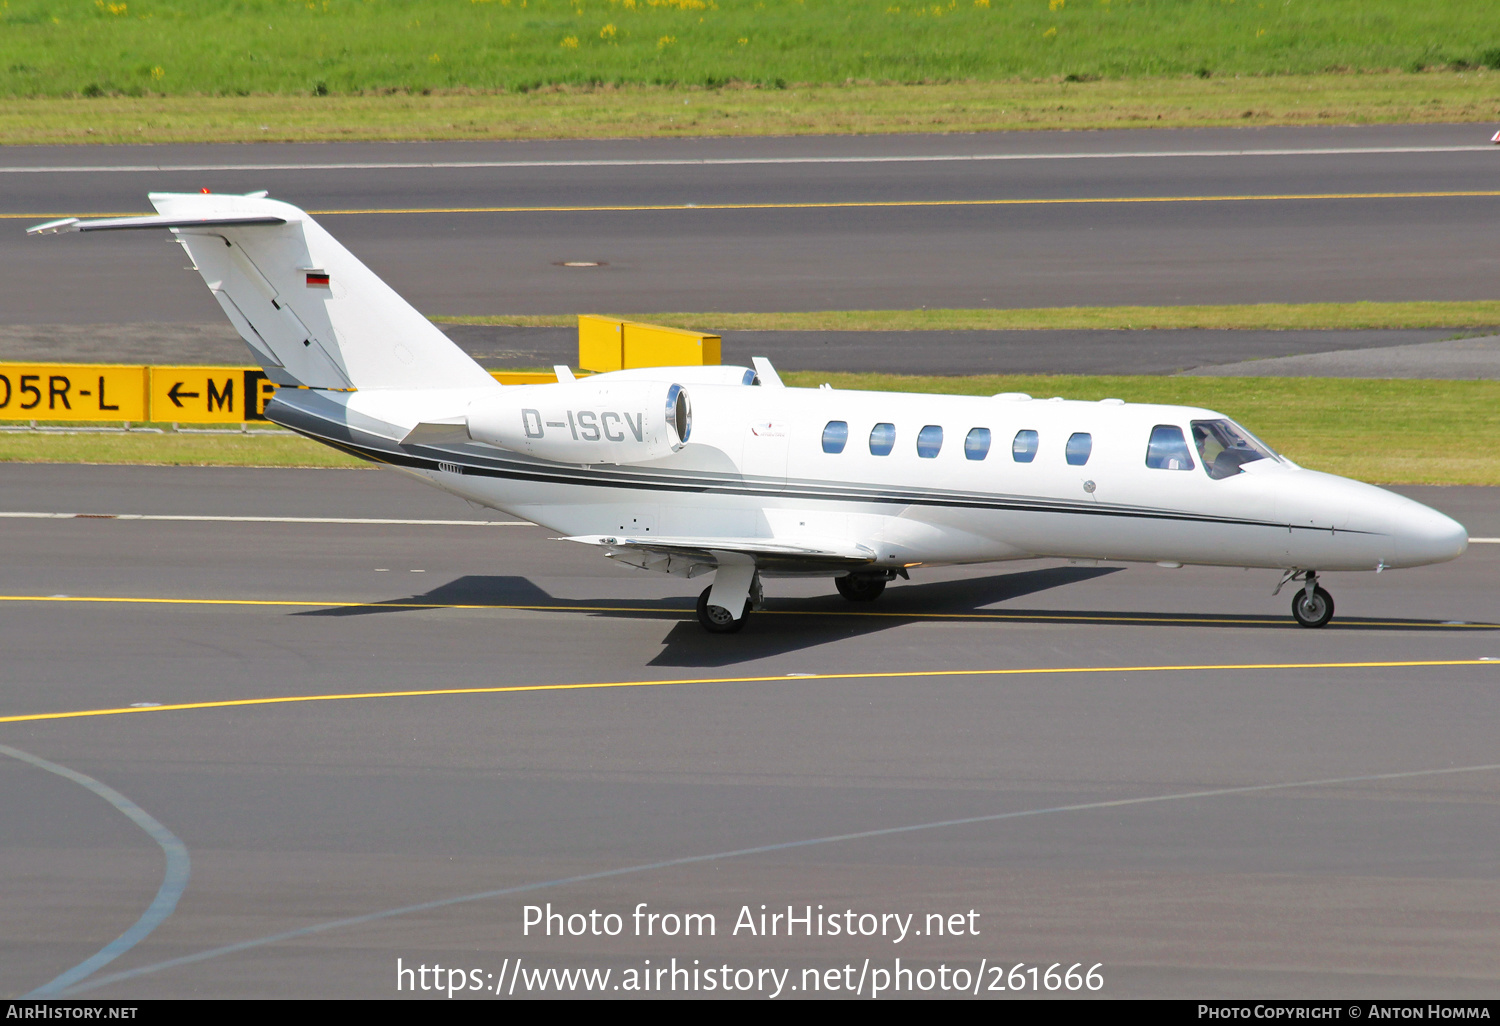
689 557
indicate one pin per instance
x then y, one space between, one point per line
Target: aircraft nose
1423 535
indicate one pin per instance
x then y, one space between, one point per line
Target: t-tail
310 311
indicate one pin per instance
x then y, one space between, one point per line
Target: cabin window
977 444
835 436
1168 449
1080 444
1023 447
929 441
882 439
1225 447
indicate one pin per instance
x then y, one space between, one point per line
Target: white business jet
692 470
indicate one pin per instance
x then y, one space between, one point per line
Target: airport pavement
1460 359
299 816
1001 219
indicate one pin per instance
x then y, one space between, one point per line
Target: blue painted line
370 917
173 883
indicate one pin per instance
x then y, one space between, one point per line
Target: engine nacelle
586 422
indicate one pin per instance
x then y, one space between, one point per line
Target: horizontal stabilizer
115 224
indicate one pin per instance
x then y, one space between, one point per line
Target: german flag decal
317 279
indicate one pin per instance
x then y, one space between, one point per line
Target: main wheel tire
1314 611
859 589
716 619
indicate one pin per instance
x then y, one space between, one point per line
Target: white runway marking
934 158
173 883
263 520
371 917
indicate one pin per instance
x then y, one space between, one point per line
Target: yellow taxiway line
865 204
781 678
648 611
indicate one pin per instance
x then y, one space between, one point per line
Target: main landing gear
1311 605
736 590
866 587
859 588
717 619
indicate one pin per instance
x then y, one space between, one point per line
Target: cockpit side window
1167 449
1225 447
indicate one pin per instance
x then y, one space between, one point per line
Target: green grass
302 70
1483 313
283 449
182 47
1386 432
578 112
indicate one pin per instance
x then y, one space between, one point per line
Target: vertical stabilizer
309 309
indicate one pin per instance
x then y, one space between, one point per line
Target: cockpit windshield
1225 447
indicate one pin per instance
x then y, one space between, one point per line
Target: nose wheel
1312 610
1312 606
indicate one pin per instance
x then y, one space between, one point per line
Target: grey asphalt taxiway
882 222
1430 352
1146 768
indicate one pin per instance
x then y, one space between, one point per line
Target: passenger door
767 435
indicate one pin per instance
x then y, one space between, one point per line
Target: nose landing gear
1311 605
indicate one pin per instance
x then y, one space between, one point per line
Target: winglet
564 372
767 374
53 227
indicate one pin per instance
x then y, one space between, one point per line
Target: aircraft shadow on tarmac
470 590
790 625
832 618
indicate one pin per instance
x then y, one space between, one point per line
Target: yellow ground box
646 345
607 344
73 392
601 343
209 395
